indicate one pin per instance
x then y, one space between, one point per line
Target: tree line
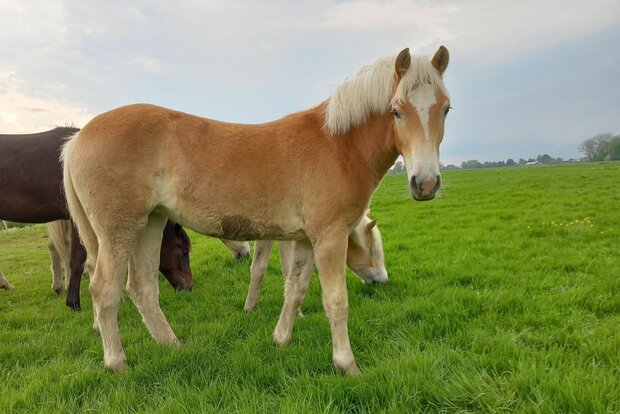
602 147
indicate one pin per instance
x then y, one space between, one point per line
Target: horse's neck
374 144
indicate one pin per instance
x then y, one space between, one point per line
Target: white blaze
422 98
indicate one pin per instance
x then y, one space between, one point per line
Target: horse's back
31 176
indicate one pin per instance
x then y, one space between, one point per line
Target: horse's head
174 257
420 106
239 249
365 252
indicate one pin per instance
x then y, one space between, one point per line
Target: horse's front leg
78 257
330 254
297 278
260 261
4 284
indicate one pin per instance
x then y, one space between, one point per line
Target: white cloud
486 30
23 113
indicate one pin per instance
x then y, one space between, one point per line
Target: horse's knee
258 269
133 291
104 295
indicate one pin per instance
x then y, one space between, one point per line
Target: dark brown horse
31 192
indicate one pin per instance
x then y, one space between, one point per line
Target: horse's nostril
414 185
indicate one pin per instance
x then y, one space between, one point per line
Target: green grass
504 296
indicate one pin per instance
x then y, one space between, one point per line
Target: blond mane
372 91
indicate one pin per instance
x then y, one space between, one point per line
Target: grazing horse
364 256
31 189
306 177
173 259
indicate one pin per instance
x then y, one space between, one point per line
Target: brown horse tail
76 209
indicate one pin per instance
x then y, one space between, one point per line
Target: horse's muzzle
424 190
182 286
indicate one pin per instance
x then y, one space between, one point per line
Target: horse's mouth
180 288
418 197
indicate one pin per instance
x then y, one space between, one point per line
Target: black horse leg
78 258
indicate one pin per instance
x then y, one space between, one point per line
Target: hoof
75 306
168 340
281 339
58 290
348 368
118 364
249 307
7 286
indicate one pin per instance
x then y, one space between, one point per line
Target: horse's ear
441 59
403 61
370 225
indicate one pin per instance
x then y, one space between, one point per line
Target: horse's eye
447 110
395 112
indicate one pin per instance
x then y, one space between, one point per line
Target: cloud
252 61
23 113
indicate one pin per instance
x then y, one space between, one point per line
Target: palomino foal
132 167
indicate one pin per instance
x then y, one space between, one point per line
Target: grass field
504 296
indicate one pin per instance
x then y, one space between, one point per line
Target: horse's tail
76 209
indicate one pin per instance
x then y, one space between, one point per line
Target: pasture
504 296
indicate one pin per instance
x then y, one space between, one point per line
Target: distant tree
531 160
451 167
510 162
613 149
544 159
471 164
595 148
522 161
559 160
500 164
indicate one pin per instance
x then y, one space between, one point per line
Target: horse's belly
240 227
216 214
237 227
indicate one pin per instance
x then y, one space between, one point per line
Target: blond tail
76 210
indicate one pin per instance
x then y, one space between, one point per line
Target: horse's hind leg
143 284
4 284
262 249
57 285
106 289
76 269
299 272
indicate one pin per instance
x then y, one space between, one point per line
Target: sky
525 77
